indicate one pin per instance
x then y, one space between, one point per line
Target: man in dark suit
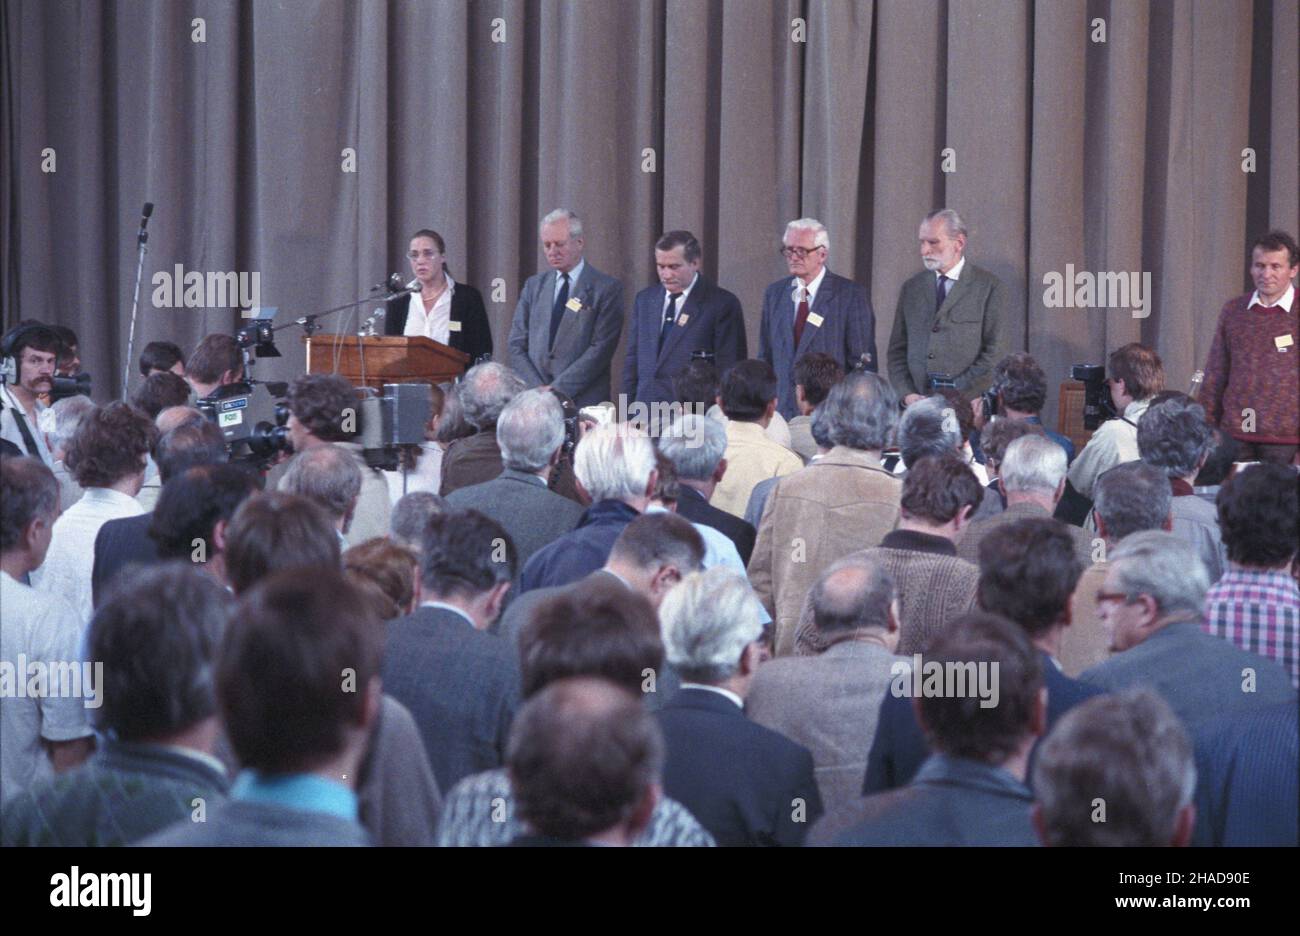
1248 779
460 683
584 763
1129 752
971 791
568 319
949 316
670 322
530 433
745 783
119 543
483 393
1028 573
1152 605
813 309
696 444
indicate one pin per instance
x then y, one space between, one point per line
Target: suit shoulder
602 279
981 275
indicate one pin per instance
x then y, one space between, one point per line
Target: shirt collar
725 693
105 495
452 608
574 274
916 541
954 274
1181 488
306 792
1133 412
685 294
1284 302
812 287
522 476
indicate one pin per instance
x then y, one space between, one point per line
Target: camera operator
216 363
323 410
1020 392
1134 374
30 353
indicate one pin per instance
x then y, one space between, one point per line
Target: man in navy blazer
813 309
685 313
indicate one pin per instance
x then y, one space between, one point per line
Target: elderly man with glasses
813 309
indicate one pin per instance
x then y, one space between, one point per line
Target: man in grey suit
530 433
568 320
949 316
460 683
813 309
829 702
1152 604
300 750
684 313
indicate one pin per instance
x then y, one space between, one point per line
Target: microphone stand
135 305
308 323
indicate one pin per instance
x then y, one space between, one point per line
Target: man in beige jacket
843 502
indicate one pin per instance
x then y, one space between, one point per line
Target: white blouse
435 324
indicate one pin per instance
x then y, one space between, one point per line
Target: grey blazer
963 340
1201 676
532 514
578 364
829 703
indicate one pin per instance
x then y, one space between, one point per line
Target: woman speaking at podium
441 308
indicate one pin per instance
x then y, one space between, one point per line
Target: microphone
393 286
145 214
368 326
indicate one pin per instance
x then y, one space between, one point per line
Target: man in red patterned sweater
1252 376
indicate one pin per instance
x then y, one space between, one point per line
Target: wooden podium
373 362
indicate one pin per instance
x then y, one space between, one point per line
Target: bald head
174 416
853 595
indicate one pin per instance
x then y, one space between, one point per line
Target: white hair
707 621
563 214
614 462
1164 566
821 238
694 444
65 416
952 221
1033 464
530 429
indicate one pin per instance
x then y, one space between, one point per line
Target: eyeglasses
417 254
797 253
1113 596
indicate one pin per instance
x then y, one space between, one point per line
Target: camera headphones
9 350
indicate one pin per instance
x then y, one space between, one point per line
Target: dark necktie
557 310
801 316
670 316
940 291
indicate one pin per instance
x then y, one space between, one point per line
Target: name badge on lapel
574 304
683 319
453 325
1283 342
815 320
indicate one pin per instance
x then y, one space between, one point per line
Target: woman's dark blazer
475 335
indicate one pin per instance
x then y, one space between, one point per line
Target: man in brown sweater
933 585
1252 376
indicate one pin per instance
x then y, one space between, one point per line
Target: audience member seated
995 438
411 514
843 502
160 357
329 477
460 683
928 427
277 531
814 375
1129 498
39 735
1152 606
1021 388
820 431
748 400
323 412
829 702
530 433
1028 574
1249 779
971 790
615 466
696 445
584 763
597 628
719 550
1117 771
387 566
1256 604
107 457
483 394
933 585
964 413
157 641
119 543
1174 437
1134 375
195 512
1032 478
300 751
63 419
745 783
157 393
1217 467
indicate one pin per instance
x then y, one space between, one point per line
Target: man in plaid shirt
1256 604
